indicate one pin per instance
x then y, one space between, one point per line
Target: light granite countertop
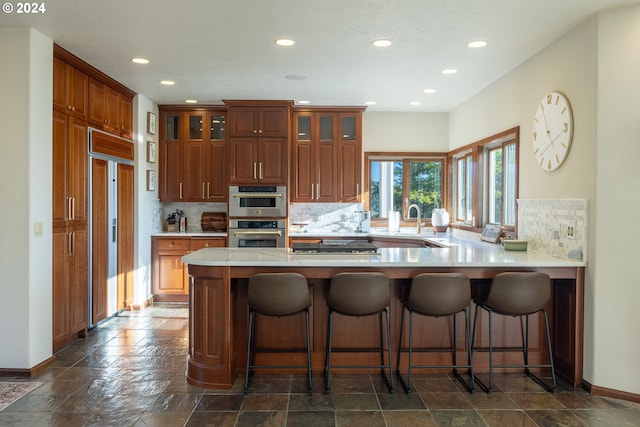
453 256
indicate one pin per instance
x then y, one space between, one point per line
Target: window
396 182
501 183
485 181
463 189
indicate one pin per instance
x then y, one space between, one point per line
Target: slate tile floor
130 372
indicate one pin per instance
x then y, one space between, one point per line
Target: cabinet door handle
71 242
254 170
317 191
180 191
357 189
203 193
255 131
260 131
261 175
312 185
208 190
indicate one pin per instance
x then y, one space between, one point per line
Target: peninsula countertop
453 256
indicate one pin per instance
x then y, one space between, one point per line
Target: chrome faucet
418 217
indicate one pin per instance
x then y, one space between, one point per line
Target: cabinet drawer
207 243
172 244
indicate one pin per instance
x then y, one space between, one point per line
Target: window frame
406 158
479 152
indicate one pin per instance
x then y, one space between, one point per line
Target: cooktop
342 247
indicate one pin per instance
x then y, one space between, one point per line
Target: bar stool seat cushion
360 294
518 293
441 294
278 294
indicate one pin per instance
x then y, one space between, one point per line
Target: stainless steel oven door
258 201
256 238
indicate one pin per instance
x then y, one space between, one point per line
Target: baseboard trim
609 392
28 373
138 307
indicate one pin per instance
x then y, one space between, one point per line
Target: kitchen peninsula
218 307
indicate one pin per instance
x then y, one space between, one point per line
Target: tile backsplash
193 212
555 226
323 217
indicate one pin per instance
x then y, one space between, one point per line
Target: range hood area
335 247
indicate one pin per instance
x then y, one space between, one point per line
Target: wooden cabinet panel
125 233
259 144
194 184
170 281
70 89
350 157
126 117
259 121
109 109
326 166
216 171
272 164
96 103
327 155
69 180
100 234
69 285
193 155
244 160
60 289
200 243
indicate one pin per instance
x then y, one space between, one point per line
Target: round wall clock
552 131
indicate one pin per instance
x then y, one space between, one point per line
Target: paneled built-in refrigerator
111 257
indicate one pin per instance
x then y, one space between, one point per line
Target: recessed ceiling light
370 103
285 42
449 71
167 82
477 43
191 101
139 60
295 77
381 43
304 101
429 91
415 103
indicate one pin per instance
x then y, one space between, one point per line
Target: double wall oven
257 216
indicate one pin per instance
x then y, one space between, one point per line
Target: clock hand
544 117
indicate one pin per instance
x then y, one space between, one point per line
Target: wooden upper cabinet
70 89
350 156
259 141
193 155
109 109
315 157
326 155
70 176
126 116
259 121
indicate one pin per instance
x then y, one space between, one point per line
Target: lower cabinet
170 281
70 285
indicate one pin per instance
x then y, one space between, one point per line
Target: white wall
25 191
389 131
143 199
616 294
596 65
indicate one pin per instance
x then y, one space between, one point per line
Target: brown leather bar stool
517 294
276 294
360 294
437 295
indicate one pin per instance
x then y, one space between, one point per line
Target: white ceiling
216 49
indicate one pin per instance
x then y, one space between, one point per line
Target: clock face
552 131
